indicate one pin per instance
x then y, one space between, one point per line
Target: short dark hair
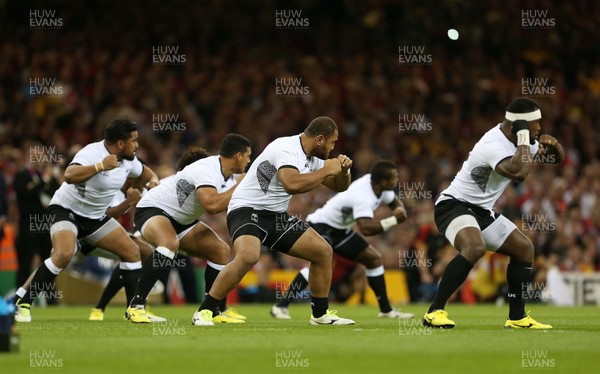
382 170
522 105
234 143
119 129
321 126
191 154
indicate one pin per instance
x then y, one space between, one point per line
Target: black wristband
519 125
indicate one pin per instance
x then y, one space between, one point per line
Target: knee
373 260
247 259
527 252
323 254
61 257
131 252
171 243
221 254
472 250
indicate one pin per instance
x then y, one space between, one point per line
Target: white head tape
531 116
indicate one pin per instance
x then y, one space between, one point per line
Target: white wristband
523 137
388 223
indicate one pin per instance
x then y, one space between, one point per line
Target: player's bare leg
64 240
371 259
469 242
247 253
119 243
158 232
203 242
312 247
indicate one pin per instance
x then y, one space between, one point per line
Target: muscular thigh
310 246
202 241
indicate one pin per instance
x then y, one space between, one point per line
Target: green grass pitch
61 340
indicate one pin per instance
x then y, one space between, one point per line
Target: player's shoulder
90 152
362 182
494 139
361 187
206 167
96 147
204 163
289 143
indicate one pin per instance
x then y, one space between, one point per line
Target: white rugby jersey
91 198
261 187
358 201
176 195
477 182
119 198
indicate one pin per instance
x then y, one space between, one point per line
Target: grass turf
61 340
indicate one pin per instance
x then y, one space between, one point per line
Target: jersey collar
300 140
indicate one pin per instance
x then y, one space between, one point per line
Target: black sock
455 274
154 267
319 306
298 284
130 282
377 284
518 274
210 274
41 282
211 304
115 283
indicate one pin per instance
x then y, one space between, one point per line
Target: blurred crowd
232 53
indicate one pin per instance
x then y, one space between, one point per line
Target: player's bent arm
517 167
549 146
294 183
119 210
212 201
338 183
369 226
133 197
149 178
398 210
76 174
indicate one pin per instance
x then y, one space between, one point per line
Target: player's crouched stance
257 215
464 212
92 179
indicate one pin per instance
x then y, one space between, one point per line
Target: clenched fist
110 162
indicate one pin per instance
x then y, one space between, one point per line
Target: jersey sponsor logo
264 174
481 175
184 189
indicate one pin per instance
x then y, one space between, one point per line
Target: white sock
53 268
165 252
375 272
304 272
21 292
130 265
215 266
